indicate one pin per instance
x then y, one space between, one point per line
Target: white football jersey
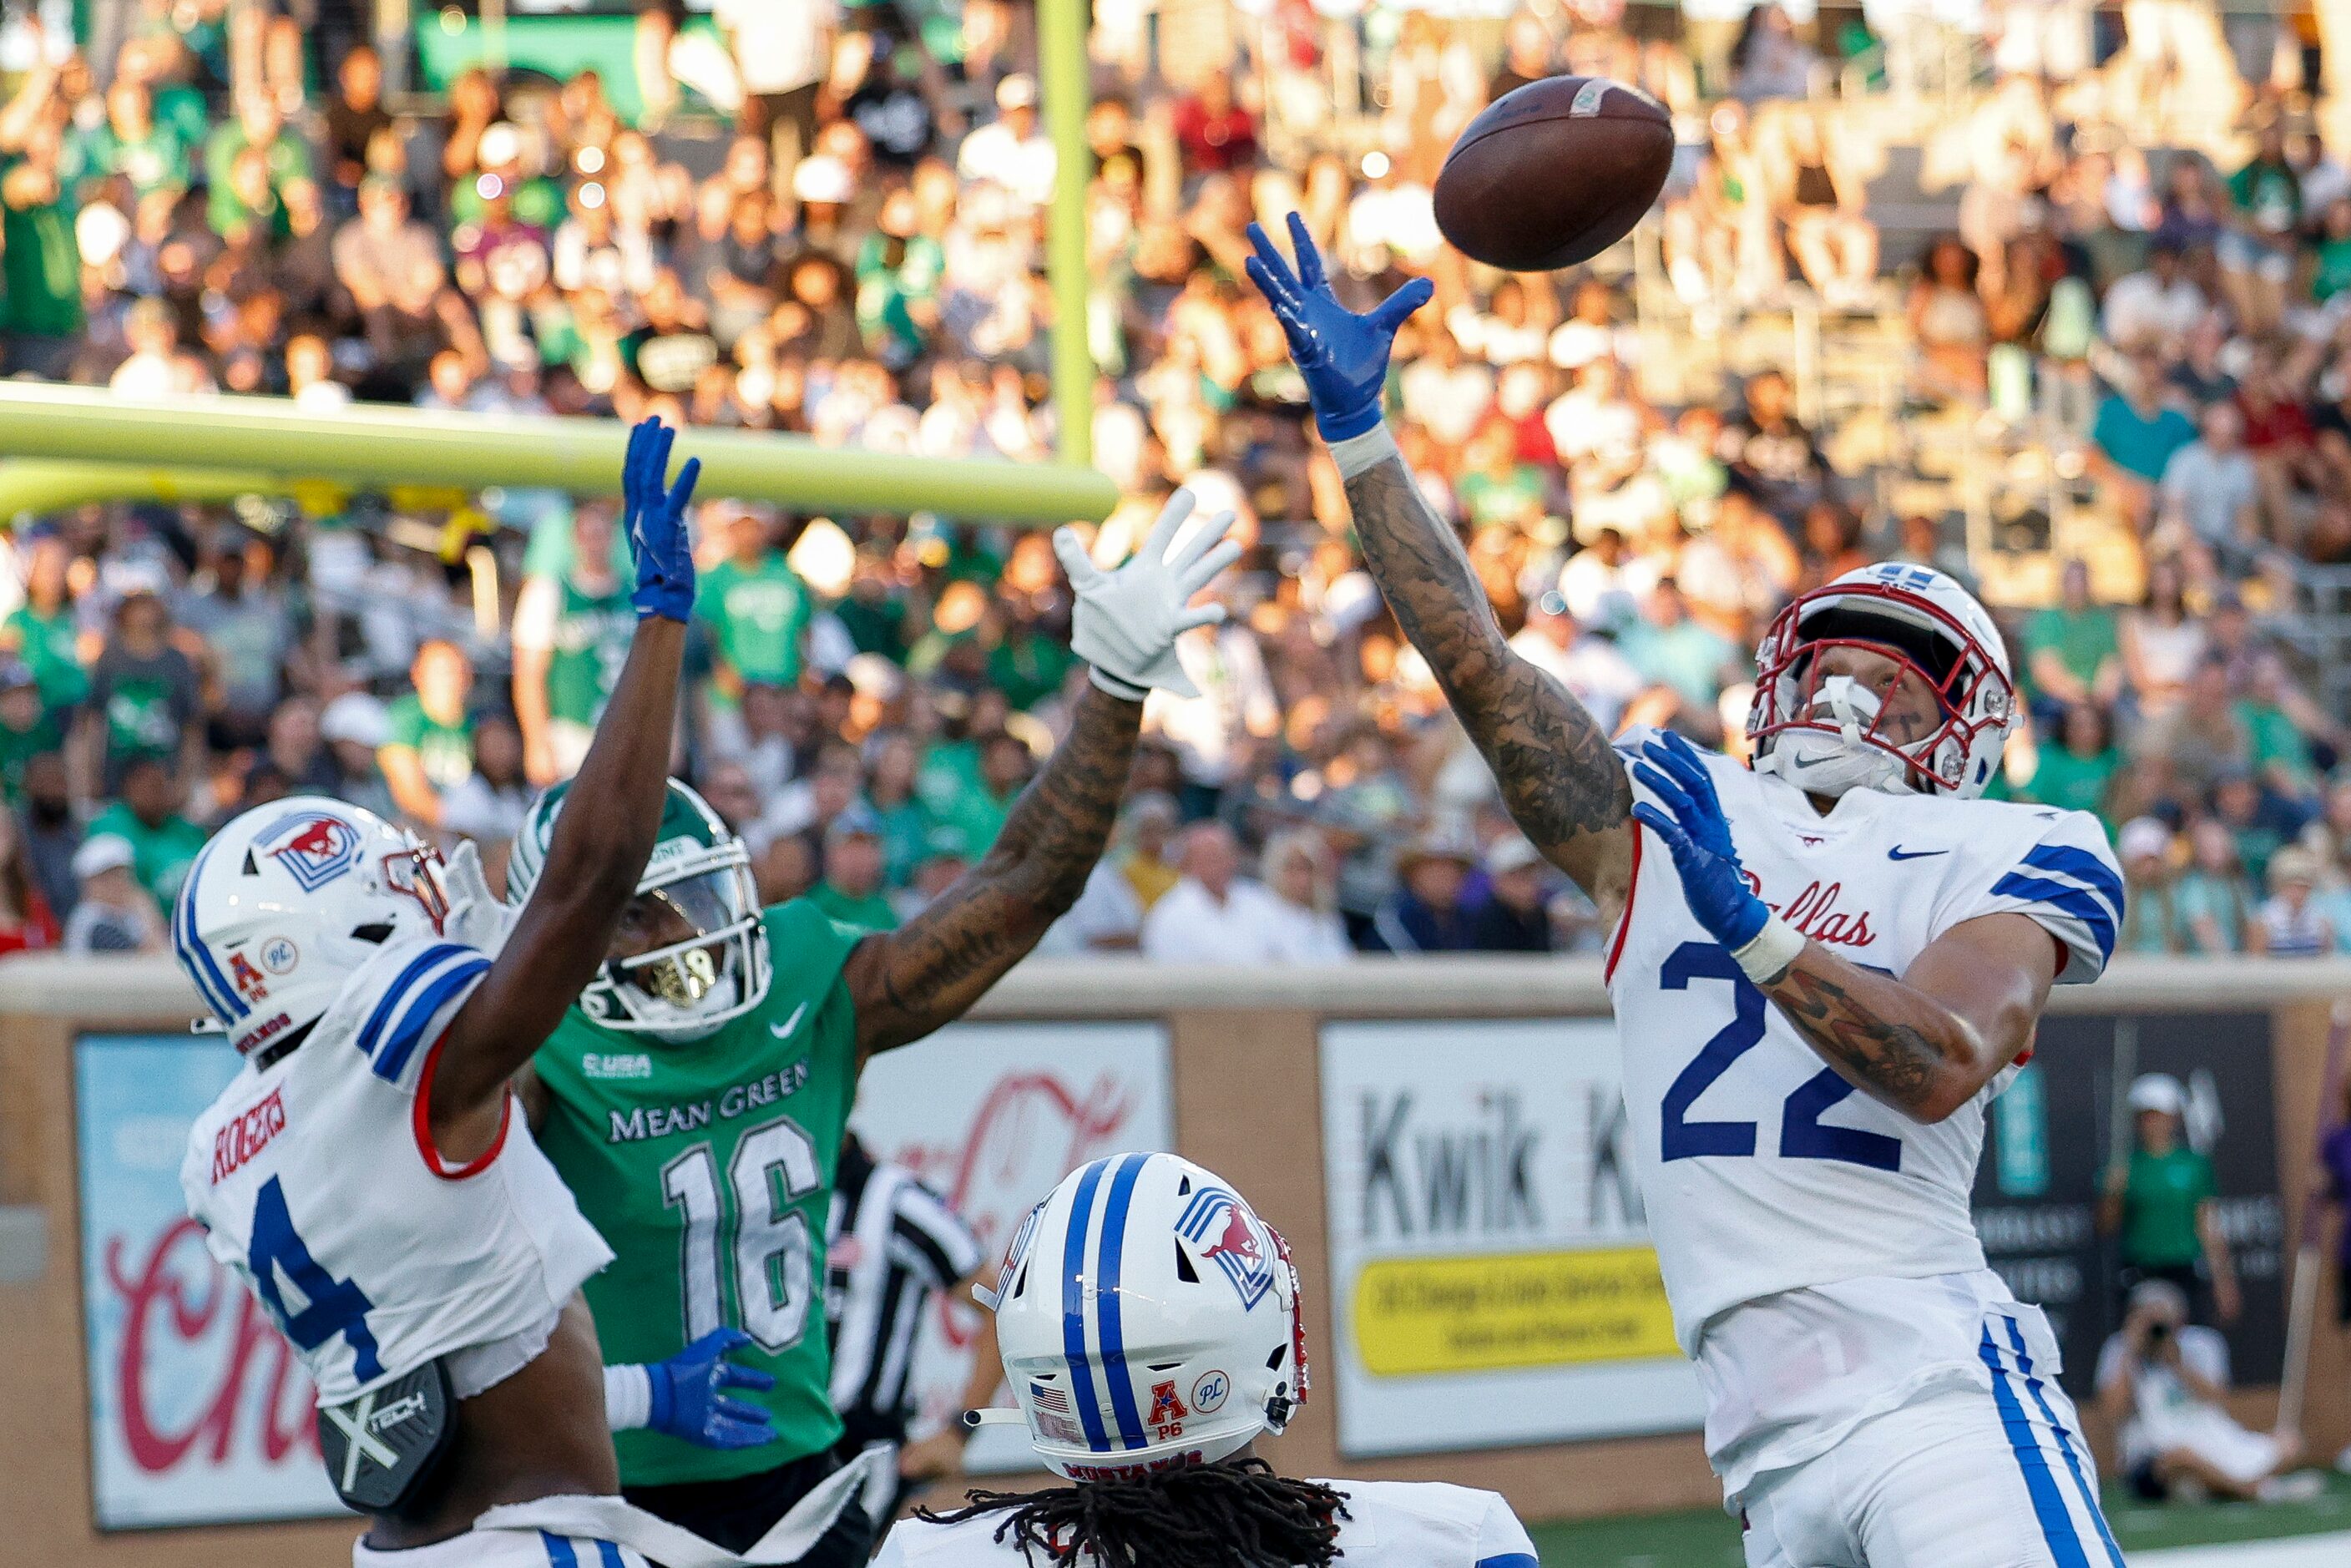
316 1180
1762 1170
1389 1524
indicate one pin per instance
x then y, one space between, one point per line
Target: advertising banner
990 1116
200 1413
2053 1137
1492 1281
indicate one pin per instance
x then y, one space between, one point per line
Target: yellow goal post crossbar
75 444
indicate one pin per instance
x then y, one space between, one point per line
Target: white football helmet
1822 734
288 900
1148 1319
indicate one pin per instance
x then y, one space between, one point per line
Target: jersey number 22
765 1240
1802 1134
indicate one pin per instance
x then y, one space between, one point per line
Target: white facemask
1820 763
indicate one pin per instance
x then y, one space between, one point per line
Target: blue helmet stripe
196 957
1074 1308
1114 1329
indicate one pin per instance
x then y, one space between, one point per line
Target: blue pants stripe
2064 1441
2048 1502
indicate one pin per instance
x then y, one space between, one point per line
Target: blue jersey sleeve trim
1509 1559
2067 899
430 999
370 1033
2083 866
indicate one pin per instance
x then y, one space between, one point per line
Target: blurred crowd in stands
830 221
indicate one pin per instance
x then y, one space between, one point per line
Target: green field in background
1709 1539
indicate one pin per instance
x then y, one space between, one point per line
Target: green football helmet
699 873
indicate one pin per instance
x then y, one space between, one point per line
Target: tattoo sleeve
1560 779
1882 1037
910 981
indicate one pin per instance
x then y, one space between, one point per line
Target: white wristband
1774 948
1369 450
628 1397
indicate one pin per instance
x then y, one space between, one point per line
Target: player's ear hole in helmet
690 952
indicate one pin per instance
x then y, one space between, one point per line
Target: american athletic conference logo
323 848
1238 1249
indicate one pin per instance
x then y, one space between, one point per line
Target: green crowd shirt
48 643
160 855
708 1167
2159 1204
760 617
446 751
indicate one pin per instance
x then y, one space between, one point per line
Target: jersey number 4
765 1240
1801 1135
331 1306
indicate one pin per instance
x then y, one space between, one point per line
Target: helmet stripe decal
1073 1308
205 966
1106 1300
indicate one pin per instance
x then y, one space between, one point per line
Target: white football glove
476 917
1127 620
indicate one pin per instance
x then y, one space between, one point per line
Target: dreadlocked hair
1239 1515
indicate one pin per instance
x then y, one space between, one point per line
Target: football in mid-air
1554 172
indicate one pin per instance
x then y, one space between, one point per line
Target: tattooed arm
1561 782
1926 1043
908 982
1557 774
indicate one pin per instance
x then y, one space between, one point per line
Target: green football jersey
708 1167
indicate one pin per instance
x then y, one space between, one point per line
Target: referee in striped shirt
892 1244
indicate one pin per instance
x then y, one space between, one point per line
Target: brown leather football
1554 173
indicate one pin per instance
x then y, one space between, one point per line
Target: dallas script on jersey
1813 912
735 1100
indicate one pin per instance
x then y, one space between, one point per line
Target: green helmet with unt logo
698 881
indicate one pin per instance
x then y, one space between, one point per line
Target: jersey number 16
765 1239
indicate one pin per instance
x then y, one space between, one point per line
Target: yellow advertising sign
1478 1314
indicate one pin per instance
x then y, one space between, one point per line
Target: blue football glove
1344 355
653 514
1699 836
689 1401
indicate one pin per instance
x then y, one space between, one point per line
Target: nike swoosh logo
1804 762
1899 853
784 1031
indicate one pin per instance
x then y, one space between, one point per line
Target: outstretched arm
598 851
1923 1043
1561 783
932 969
929 972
